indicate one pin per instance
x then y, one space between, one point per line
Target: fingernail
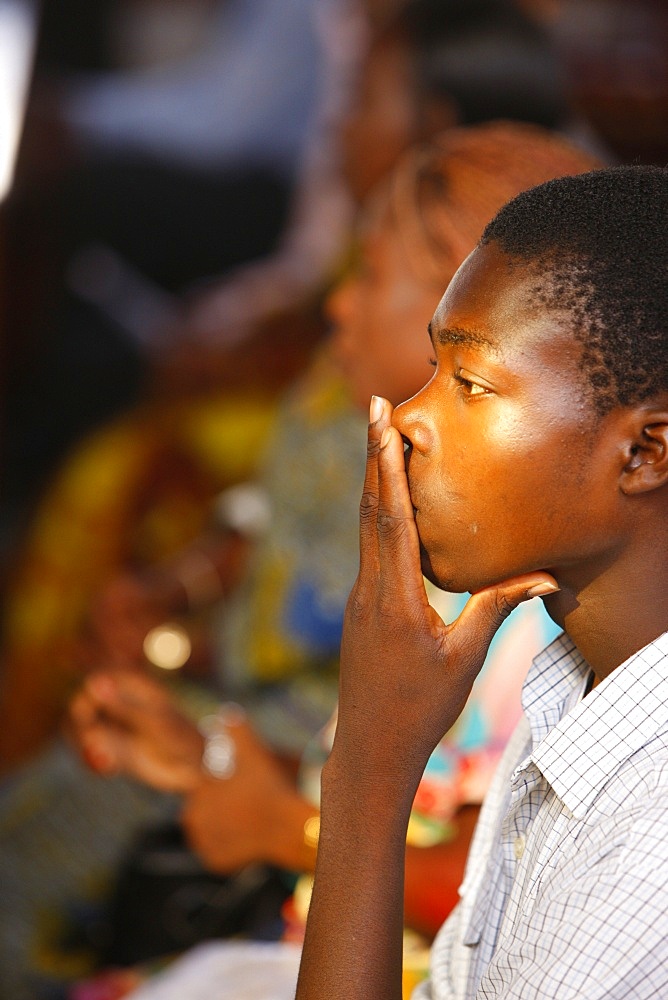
541 589
375 409
385 437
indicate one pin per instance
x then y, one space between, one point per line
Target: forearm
353 942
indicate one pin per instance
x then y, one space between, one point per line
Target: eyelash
459 378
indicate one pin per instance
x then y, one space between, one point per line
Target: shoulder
641 794
628 821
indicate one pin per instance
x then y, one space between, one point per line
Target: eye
433 362
468 387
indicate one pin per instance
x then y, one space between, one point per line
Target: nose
412 421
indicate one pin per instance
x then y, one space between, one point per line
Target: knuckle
390 526
372 446
358 607
502 607
368 504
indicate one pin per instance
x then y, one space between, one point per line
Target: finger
81 713
398 541
126 695
380 413
486 610
89 728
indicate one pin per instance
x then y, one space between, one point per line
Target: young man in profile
534 463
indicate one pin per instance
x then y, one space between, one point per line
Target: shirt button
518 845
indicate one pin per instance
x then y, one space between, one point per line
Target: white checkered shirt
566 887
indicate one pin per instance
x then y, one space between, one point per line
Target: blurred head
416 230
489 59
614 58
433 65
382 122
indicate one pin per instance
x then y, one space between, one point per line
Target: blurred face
380 316
508 465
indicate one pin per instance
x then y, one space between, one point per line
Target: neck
614 615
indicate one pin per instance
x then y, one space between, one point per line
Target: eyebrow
456 335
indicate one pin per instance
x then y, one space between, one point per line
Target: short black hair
598 243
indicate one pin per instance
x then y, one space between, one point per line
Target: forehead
492 305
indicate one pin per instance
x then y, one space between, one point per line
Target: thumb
487 609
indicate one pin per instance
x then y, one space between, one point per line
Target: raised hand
406 674
405 677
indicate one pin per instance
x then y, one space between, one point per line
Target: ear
646 458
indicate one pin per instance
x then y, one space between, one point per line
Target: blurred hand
125 722
256 815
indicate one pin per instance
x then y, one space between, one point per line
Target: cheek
488 490
519 504
527 460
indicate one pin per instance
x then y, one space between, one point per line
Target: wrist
373 805
184 773
388 783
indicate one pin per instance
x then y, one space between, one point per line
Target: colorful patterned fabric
280 633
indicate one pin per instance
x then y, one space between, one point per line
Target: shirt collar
578 743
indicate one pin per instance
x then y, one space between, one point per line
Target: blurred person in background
614 63
158 465
135 182
145 251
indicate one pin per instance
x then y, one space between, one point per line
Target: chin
445 583
451 579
